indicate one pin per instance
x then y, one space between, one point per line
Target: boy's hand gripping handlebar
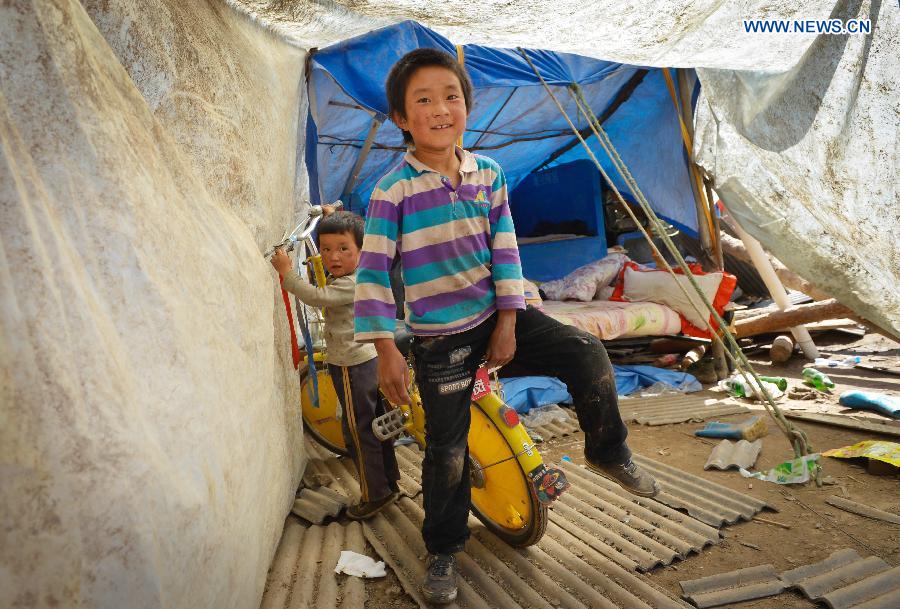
301 231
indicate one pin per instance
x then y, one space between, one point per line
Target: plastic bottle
847 362
778 381
817 379
737 388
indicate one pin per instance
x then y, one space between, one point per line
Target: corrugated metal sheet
657 410
703 499
597 537
669 409
314 505
727 454
557 429
845 580
635 532
307 578
342 471
561 571
733 587
795 298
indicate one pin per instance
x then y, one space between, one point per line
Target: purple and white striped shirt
458 251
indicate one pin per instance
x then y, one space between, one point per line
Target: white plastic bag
542 415
359 565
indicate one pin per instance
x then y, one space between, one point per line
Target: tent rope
461 59
692 168
796 437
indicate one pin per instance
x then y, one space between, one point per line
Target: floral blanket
611 319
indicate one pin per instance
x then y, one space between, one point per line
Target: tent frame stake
377 120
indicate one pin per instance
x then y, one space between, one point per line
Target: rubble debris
862 510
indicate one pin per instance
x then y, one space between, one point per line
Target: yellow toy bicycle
511 485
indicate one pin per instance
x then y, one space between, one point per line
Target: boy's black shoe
439 586
367 509
628 475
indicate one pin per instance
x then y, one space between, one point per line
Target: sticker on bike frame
482 385
549 482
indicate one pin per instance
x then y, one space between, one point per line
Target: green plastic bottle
778 381
817 379
737 388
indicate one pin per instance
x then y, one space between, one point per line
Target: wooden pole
723 367
790 317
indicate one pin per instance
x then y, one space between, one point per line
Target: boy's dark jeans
445 368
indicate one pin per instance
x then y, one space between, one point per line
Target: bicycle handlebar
306 228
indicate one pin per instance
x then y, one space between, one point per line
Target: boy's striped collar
467 163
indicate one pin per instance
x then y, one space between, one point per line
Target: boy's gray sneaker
439 586
628 475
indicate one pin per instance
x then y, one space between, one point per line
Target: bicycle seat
403 339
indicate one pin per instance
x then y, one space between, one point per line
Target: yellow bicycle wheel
322 422
503 497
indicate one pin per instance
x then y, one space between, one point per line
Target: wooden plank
841 420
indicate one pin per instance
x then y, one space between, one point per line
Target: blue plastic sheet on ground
632 378
526 392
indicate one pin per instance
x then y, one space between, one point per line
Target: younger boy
445 211
352 365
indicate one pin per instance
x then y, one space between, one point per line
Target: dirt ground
812 529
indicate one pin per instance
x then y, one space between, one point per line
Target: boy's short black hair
402 71
343 222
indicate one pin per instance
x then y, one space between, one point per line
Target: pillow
637 285
586 282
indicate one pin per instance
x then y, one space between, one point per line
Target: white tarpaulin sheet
150 151
149 439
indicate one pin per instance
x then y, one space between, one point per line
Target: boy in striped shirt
444 211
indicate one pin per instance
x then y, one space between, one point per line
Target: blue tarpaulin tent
351 143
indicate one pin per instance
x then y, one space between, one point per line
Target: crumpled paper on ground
795 471
359 565
889 452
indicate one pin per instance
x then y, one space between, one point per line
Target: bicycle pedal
389 425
